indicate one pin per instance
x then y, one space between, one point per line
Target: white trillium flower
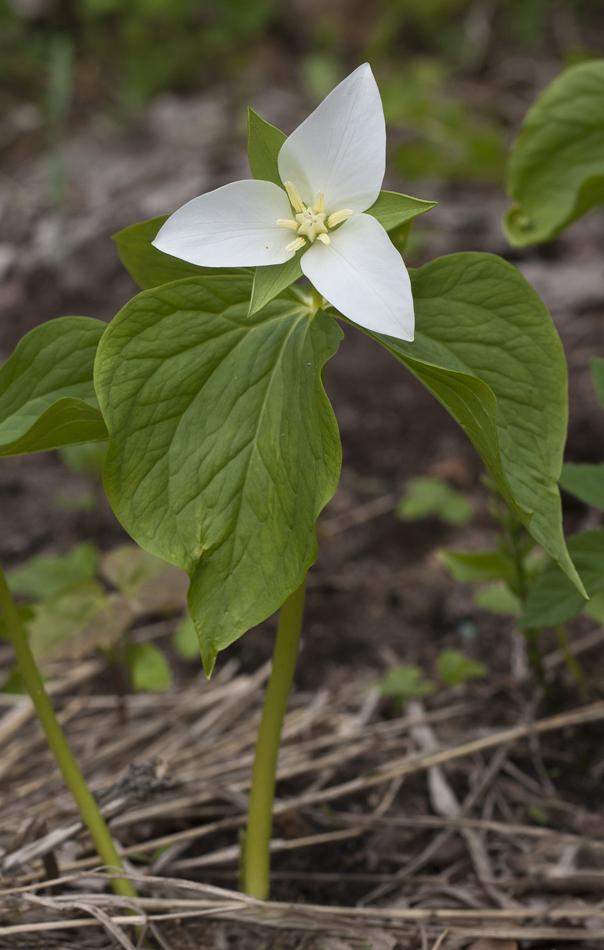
332 168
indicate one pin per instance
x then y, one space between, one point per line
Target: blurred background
114 111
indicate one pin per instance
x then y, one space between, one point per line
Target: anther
294 196
337 217
295 245
287 223
324 238
319 202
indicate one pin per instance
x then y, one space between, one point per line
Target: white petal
341 147
234 226
363 275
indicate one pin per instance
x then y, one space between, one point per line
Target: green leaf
150 267
556 167
498 599
477 565
149 667
86 459
553 599
64 615
404 682
594 608
584 481
270 281
597 378
455 669
223 446
486 347
392 209
47 396
154 586
263 146
45 575
185 640
427 497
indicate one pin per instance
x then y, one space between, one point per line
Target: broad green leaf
223 446
594 608
150 267
556 167
270 281
185 640
47 574
148 666
597 378
455 669
553 599
584 481
392 209
477 565
404 682
498 599
486 347
47 397
264 143
426 497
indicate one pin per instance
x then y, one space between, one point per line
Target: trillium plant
209 386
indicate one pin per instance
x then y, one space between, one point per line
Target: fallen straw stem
256 852
74 779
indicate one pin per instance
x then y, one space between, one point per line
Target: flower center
309 223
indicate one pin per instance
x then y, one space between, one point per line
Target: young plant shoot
223 446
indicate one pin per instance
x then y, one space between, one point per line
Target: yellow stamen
295 245
338 217
287 223
294 196
319 202
324 238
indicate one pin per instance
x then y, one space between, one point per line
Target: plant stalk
256 856
74 779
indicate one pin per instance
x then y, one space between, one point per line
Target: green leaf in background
486 347
392 209
597 378
403 683
432 497
264 143
553 599
477 565
223 445
63 615
150 267
148 667
270 281
556 166
47 574
594 608
153 585
85 459
499 599
47 397
25 613
185 640
586 482
455 669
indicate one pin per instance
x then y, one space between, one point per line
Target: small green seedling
432 497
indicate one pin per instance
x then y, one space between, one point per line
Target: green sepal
270 281
555 171
486 347
47 397
150 267
392 209
263 146
223 446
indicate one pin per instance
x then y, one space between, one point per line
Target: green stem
569 658
256 858
76 783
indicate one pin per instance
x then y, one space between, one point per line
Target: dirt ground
378 595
